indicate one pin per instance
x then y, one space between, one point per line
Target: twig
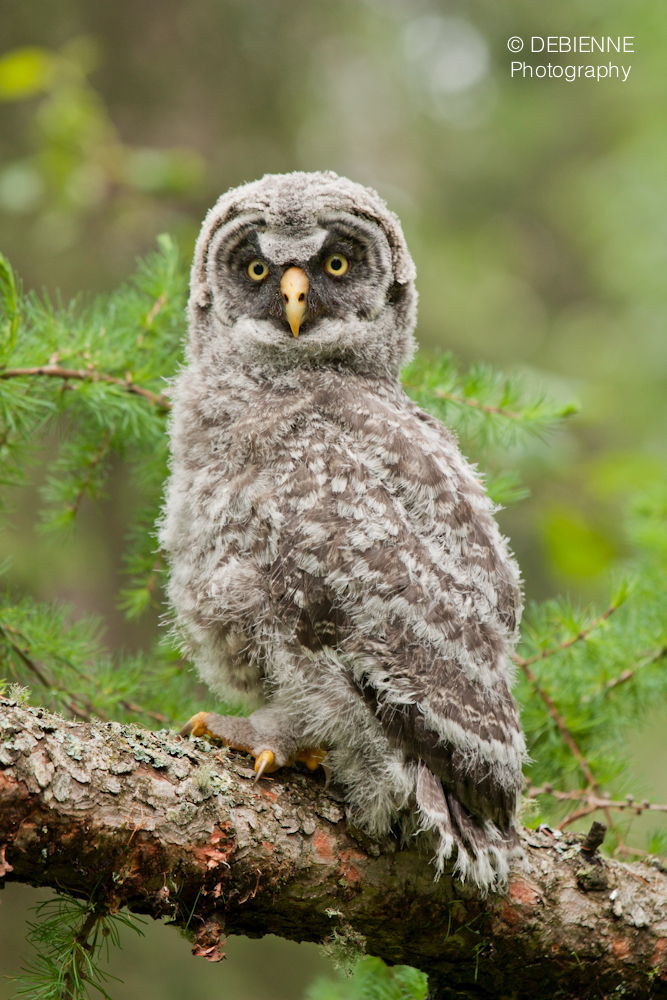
629 850
100 454
151 583
560 722
157 305
627 675
583 634
475 403
625 850
569 739
74 972
87 375
452 397
594 838
594 802
23 656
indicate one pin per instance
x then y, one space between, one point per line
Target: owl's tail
483 849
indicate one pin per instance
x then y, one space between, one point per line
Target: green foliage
483 405
69 670
9 296
372 980
609 672
490 412
89 380
69 937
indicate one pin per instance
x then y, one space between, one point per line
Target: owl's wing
389 555
468 734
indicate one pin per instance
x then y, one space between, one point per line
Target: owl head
303 269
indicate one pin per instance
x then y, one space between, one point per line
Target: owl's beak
294 288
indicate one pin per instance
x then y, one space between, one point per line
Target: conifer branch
22 654
582 634
652 656
452 397
92 463
69 937
154 310
568 738
77 704
499 408
561 724
76 970
77 709
87 375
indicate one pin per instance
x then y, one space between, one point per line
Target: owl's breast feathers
375 539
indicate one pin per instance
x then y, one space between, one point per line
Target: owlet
333 556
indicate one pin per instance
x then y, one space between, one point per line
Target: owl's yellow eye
257 270
336 265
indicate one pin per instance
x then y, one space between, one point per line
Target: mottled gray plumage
333 556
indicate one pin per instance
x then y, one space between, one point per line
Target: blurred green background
536 211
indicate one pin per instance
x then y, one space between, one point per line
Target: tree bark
178 828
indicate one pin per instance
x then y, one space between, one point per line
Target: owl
333 557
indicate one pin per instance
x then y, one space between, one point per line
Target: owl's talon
264 762
196 726
312 758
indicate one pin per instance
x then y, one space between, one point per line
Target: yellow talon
265 762
311 757
196 726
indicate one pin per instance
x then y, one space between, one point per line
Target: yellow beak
294 288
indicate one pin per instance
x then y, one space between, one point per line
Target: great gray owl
333 555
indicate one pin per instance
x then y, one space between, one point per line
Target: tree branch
178 828
86 375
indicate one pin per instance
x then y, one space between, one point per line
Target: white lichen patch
42 767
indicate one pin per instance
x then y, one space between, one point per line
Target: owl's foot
270 749
311 757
